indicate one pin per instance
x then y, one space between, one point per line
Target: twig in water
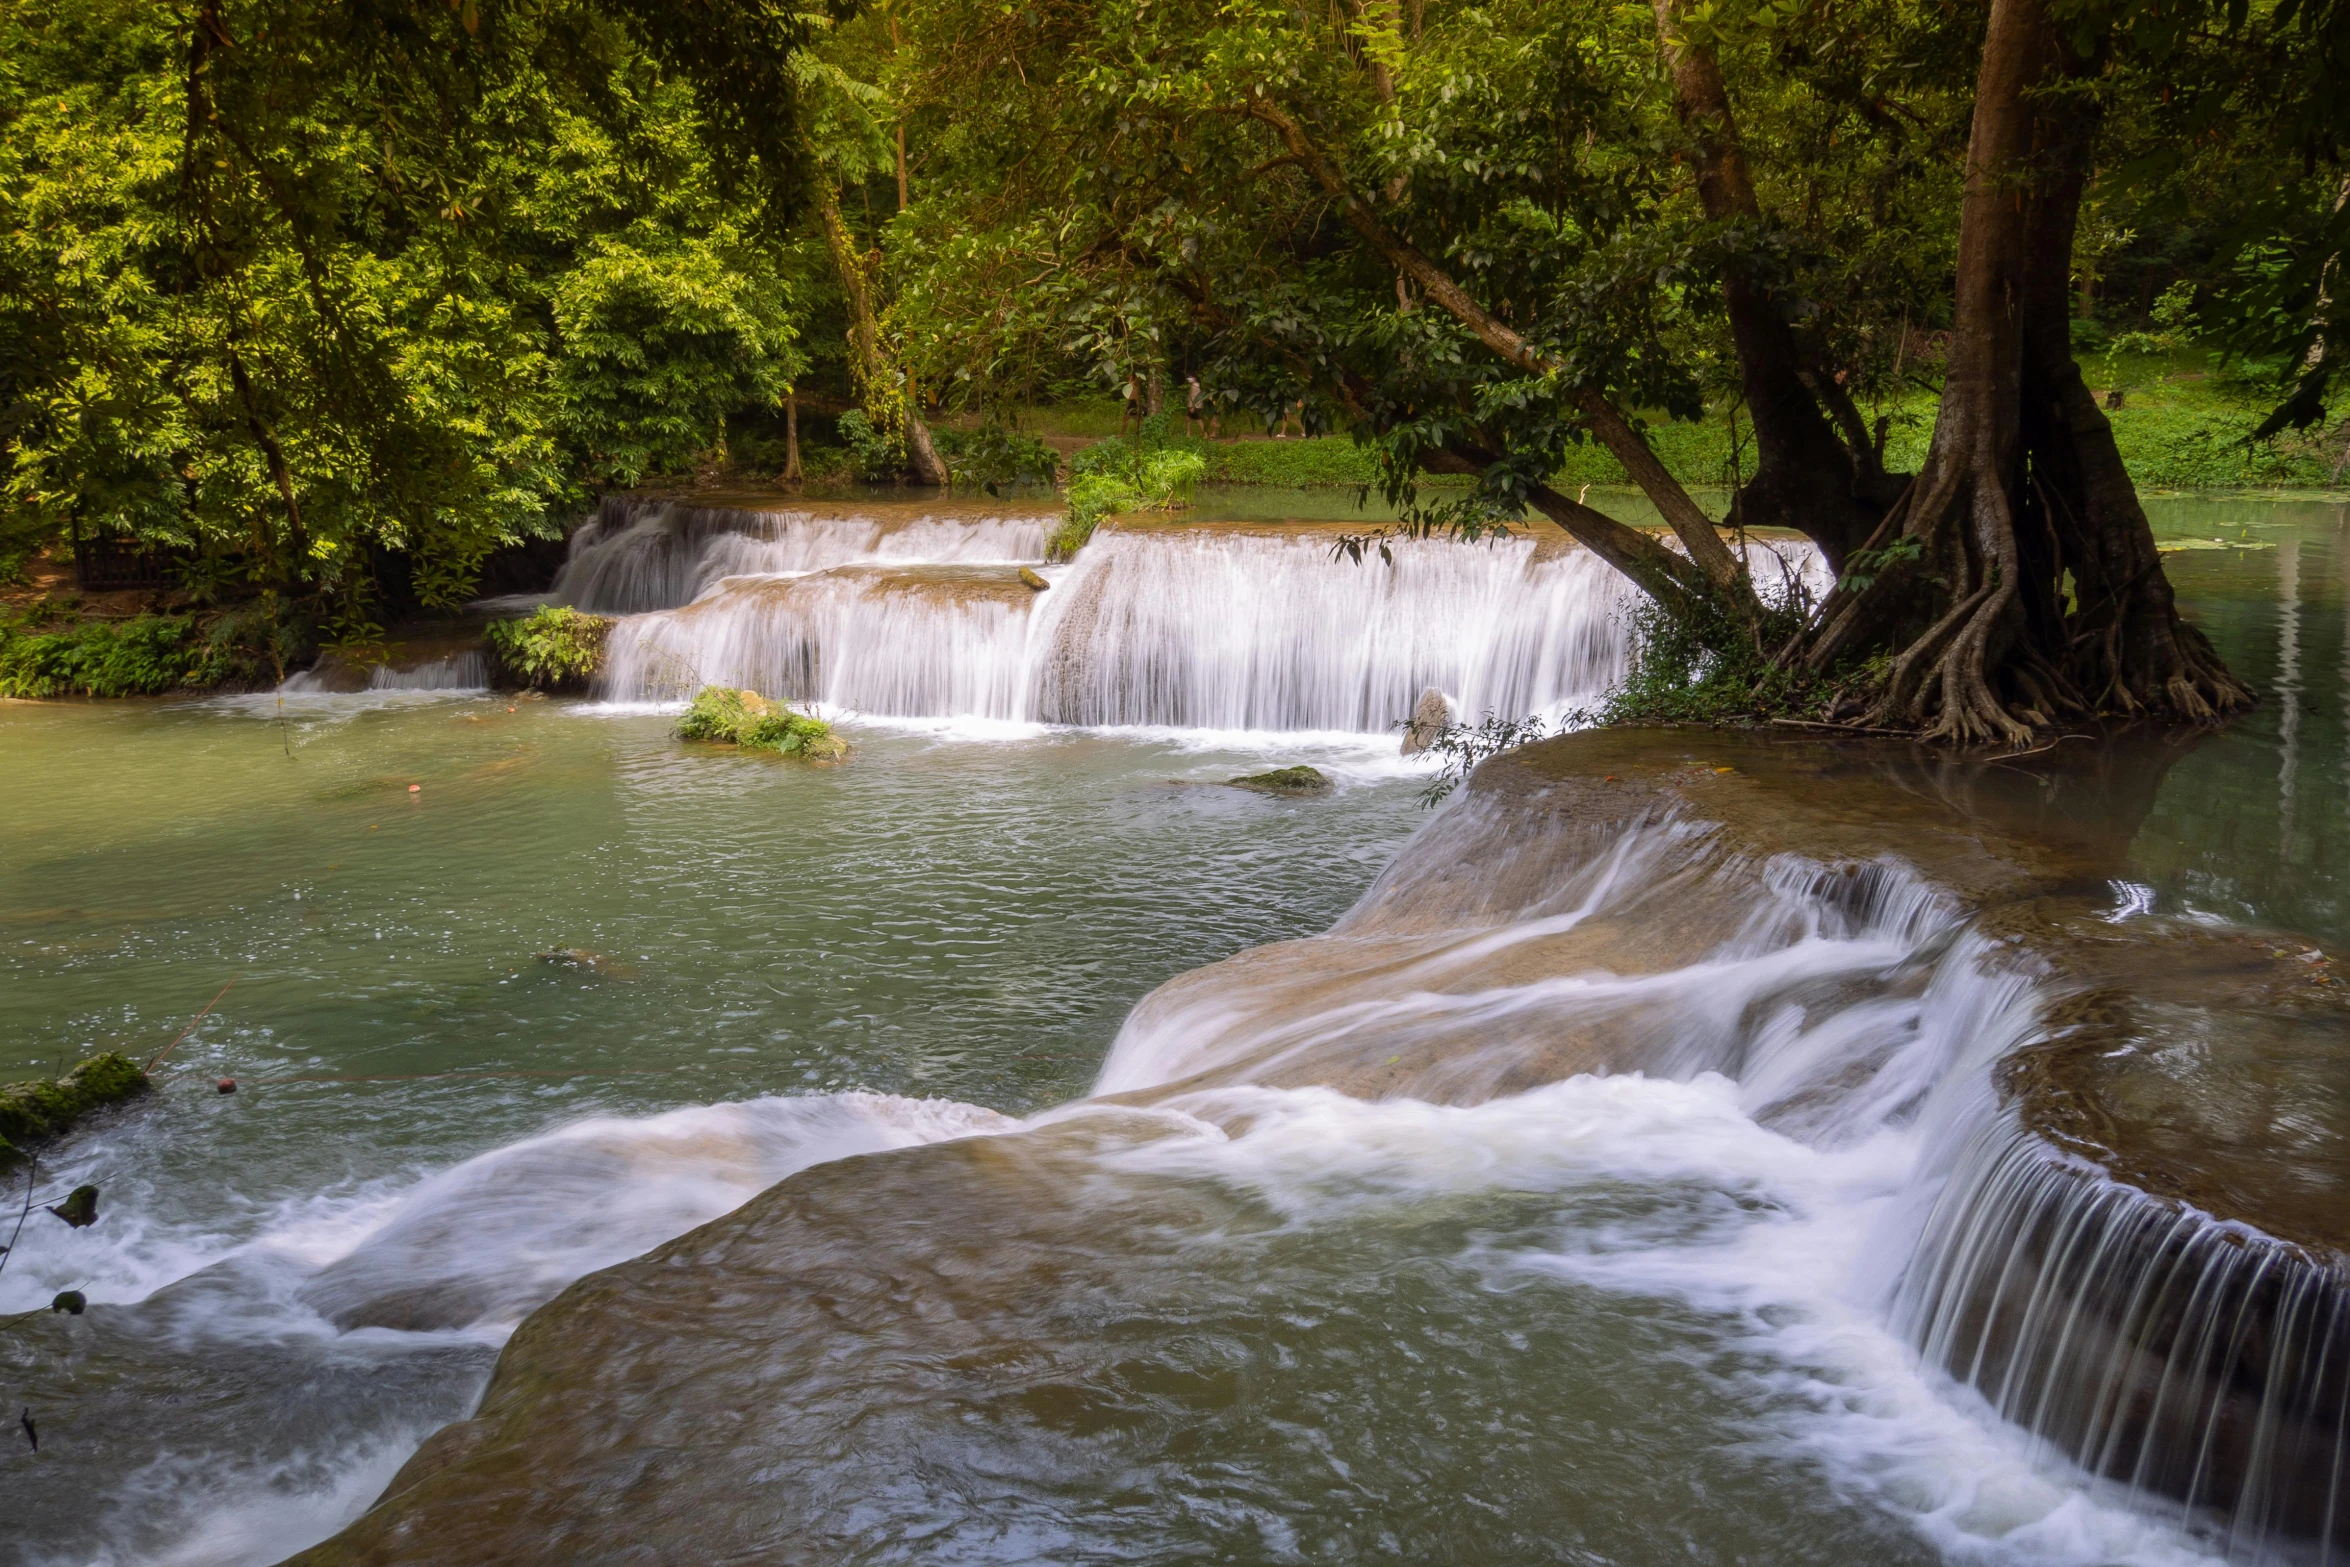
190 1029
32 1176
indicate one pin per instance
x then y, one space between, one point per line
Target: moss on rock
33 1112
1284 780
726 716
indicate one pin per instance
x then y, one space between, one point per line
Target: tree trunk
2122 644
1807 479
2022 483
887 394
791 438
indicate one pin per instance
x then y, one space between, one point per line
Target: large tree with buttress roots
1476 236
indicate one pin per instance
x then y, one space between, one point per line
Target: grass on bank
2184 424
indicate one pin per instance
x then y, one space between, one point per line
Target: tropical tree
310 291
1474 235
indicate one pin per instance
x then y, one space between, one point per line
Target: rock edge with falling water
691 1404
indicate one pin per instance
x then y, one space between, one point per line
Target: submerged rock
1284 780
31 1113
587 962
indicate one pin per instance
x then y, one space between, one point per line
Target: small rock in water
1284 780
1430 716
227 1085
588 962
1034 578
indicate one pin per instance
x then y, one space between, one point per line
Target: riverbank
2181 426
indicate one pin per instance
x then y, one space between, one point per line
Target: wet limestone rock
1430 715
31 1113
1284 780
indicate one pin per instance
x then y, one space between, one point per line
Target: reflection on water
2254 824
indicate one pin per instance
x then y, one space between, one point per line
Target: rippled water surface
515 990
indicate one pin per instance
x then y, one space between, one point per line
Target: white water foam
1775 1239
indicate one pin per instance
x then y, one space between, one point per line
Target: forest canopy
337 301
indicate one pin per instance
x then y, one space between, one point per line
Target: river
518 989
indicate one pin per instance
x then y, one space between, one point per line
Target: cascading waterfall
1222 629
2178 1356
917 641
456 672
1196 626
636 556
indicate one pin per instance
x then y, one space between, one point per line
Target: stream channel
518 990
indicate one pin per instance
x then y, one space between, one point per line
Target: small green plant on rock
550 649
725 716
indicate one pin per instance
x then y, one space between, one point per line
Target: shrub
874 453
993 456
725 716
1153 471
141 657
551 648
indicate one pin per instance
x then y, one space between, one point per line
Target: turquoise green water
963 915
938 916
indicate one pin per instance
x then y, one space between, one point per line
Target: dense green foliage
551 648
337 300
1151 470
289 284
747 719
996 456
145 656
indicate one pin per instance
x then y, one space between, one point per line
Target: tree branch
1682 514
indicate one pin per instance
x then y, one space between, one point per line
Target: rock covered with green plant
1285 780
1152 470
33 1112
725 716
553 648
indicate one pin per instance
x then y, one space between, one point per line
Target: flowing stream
1523 1198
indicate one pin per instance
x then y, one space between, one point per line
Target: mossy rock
33 1112
1285 780
725 716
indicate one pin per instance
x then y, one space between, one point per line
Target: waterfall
1198 626
1229 629
910 641
2174 1354
458 672
636 556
